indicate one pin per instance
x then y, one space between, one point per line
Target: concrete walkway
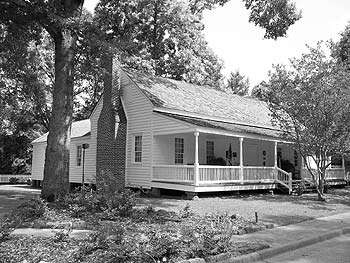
307 229
288 238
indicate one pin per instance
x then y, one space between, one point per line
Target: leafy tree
140 34
238 83
310 102
166 38
341 49
261 91
61 20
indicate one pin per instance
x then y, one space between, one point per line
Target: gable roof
213 103
79 129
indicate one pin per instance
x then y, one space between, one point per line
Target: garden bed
122 233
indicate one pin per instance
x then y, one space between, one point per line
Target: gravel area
276 209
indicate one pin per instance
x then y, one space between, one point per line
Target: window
210 151
138 149
79 149
179 150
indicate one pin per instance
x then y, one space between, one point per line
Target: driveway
13 195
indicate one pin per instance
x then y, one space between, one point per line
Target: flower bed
122 233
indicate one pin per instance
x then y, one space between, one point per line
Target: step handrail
289 185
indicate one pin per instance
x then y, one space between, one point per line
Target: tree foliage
164 38
310 102
341 49
49 47
238 83
261 91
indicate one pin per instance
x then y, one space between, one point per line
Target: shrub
29 210
6 227
123 203
13 180
186 212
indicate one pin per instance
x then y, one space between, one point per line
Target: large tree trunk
56 170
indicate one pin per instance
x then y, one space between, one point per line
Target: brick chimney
111 131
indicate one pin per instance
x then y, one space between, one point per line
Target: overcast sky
241 46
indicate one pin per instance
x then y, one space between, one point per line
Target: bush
13 180
29 210
6 227
122 204
80 204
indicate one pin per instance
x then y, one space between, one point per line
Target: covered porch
203 160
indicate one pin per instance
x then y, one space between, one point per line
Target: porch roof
225 126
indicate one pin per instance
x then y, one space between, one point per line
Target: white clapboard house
185 137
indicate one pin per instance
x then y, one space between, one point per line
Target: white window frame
179 156
135 152
79 155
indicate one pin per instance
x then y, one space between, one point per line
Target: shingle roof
231 127
79 129
179 95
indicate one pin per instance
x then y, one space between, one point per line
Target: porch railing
173 173
253 173
218 174
331 174
212 174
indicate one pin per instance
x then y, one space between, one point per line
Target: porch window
79 150
210 151
138 149
179 150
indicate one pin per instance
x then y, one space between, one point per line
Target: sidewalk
287 238
307 229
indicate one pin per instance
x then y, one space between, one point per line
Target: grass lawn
276 209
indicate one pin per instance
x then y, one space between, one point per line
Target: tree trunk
56 169
321 183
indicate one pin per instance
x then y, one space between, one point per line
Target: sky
241 45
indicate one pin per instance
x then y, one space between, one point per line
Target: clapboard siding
76 172
139 122
38 160
91 153
163 124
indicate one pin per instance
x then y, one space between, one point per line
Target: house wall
91 153
164 124
38 160
75 172
138 111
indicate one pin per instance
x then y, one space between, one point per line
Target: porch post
342 162
196 162
241 159
275 165
275 154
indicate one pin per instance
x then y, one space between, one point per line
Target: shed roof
225 126
204 100
79 129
